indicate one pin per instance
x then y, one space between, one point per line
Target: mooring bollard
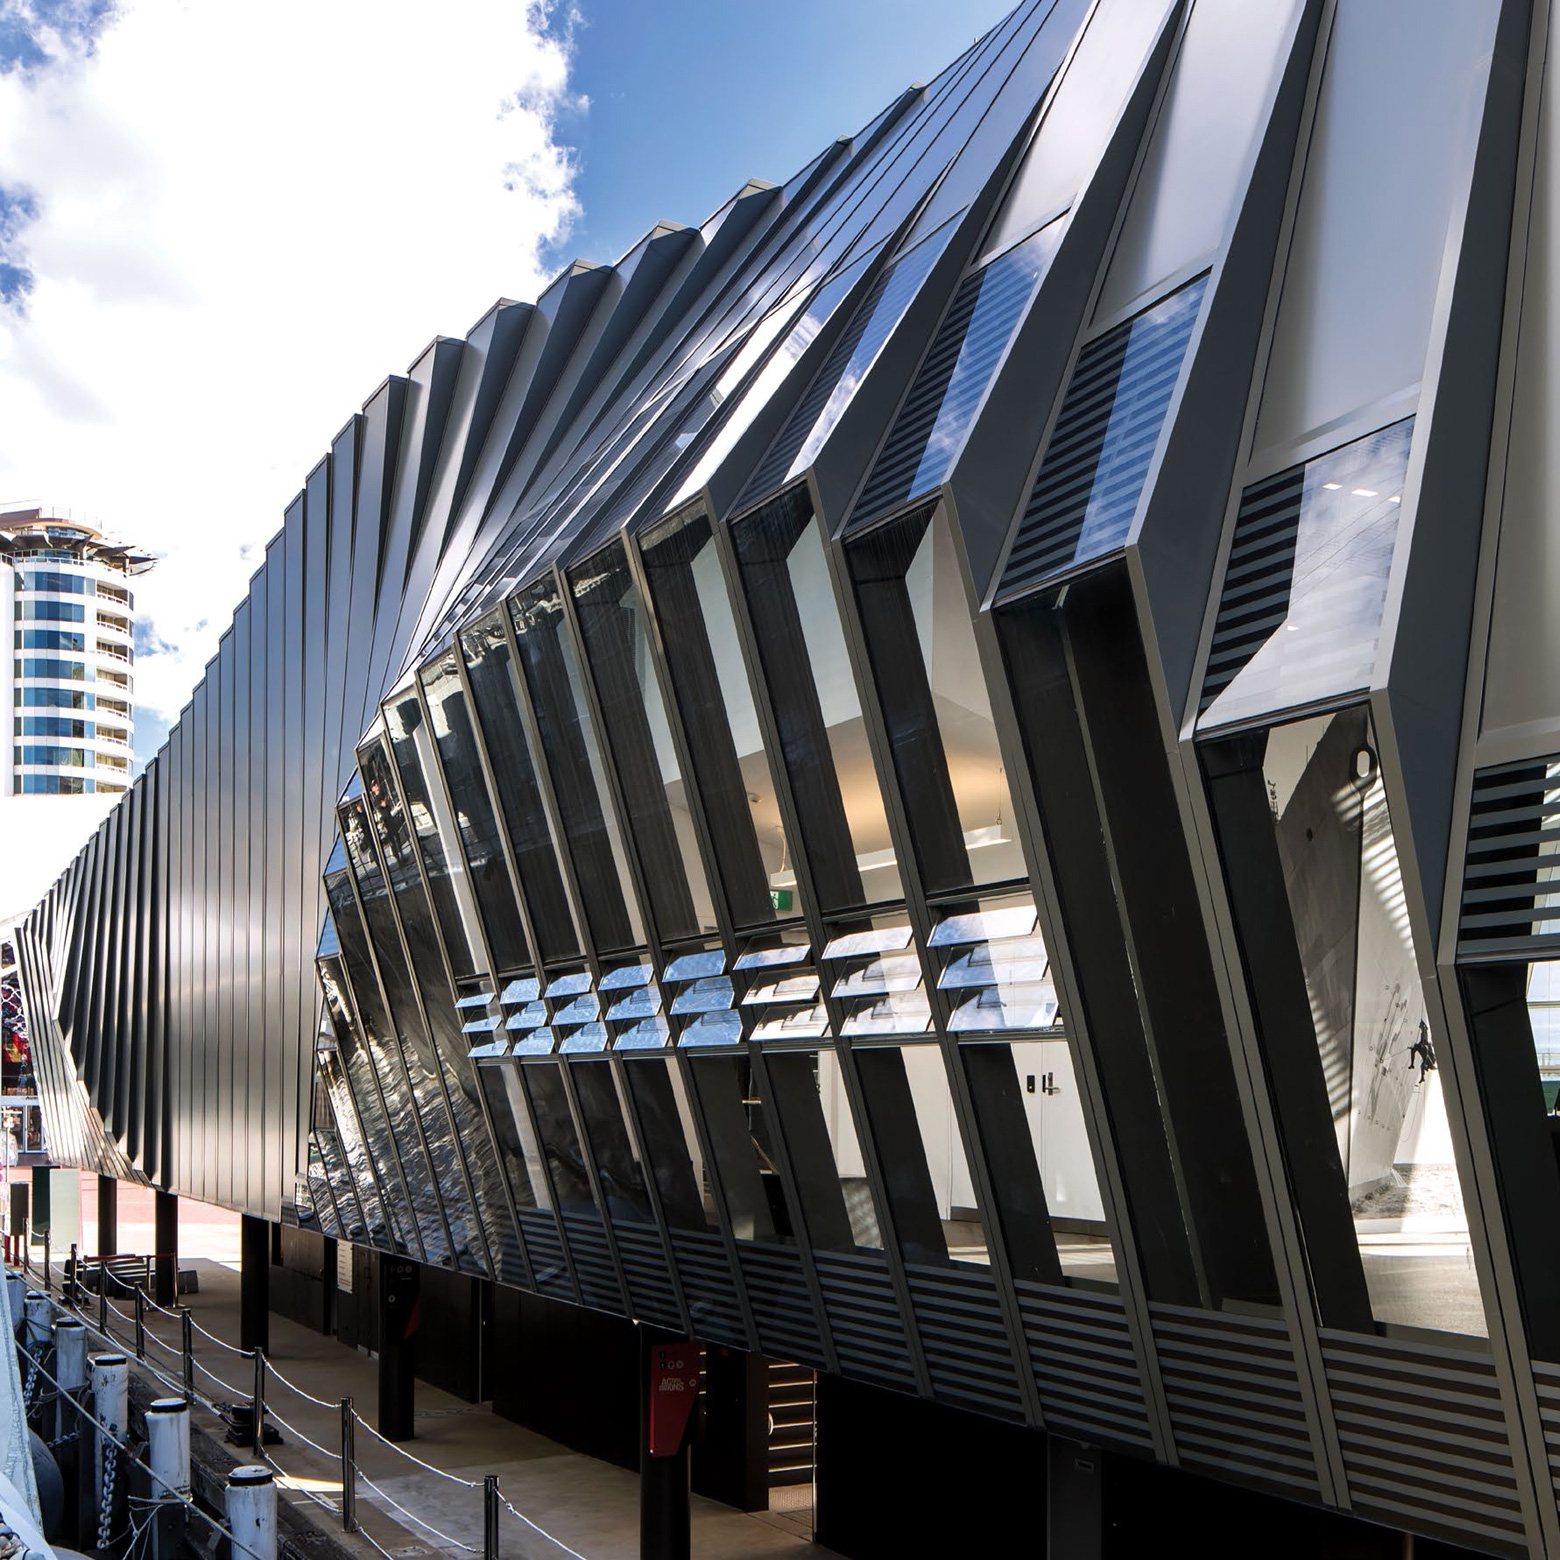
70 1370
251 1512
348 1467
168 1453
111 1405
15 1290
37 1317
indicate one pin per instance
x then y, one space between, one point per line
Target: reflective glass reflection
823 737
617 644
552 675
710 685
672 1143
916 616
949 386
1306 581
493 692
742 1141
473 812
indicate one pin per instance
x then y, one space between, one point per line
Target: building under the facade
949 776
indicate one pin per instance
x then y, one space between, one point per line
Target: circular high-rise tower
67 609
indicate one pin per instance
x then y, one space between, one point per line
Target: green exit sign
780 898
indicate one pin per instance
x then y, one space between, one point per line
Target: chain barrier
293 1386
106 1497
454 1478
390 1500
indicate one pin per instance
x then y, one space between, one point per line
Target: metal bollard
348 1467
103 1299
490 1517
140 1324
259 1403
70 1370
48 1267
187 1328
73 1279
38 1315
168 1453
251 1513
15 1289
111 1405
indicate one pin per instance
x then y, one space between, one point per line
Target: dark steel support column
107 1216
731 1455
665 1515
165 1247
400 1282
1074 1503
254 1283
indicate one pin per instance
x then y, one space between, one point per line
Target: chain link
110 1481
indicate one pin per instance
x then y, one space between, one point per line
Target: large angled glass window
552 675
617 645
916 616
1303 593
1317 889
953 378
1088 486
823 738
492 672
474 815
709 683
742 1141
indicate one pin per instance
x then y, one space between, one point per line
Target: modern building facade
949 776
67 608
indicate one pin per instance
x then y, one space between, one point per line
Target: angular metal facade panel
815 786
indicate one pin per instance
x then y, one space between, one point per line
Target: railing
249 1410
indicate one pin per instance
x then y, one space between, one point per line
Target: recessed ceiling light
1332 487
1367 493
1397 498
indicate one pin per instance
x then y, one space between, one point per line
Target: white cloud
247 216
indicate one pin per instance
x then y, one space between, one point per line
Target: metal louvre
1085 1369
593 1265
1509 908
710 1287
549 1269
864 1319
1255 598
1098 458
1425 1441
782 1303
650 1288
1547 1379
1234 1396
965 1339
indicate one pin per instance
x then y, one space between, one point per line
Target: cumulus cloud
222 224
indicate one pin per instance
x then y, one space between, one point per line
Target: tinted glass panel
672 1143
742 1140
1306 581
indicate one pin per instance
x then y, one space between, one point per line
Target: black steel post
399 1283
48 1268
140 1324
103 1299
165 1247
259 1402
490 1517
254 1283
107 1217
73 1278
187 1328
665 1517
348 1467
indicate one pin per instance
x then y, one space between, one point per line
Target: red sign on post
674 1389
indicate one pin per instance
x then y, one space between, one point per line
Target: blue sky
690 99
187 318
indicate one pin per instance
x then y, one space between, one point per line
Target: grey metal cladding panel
1397 111
275 838
159 969
1194 167
439 398
1429 644
293 1041
231 1157
368 521
258 827
248 1033
336 759
201 900
1234 1396
1425 1440
496 340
